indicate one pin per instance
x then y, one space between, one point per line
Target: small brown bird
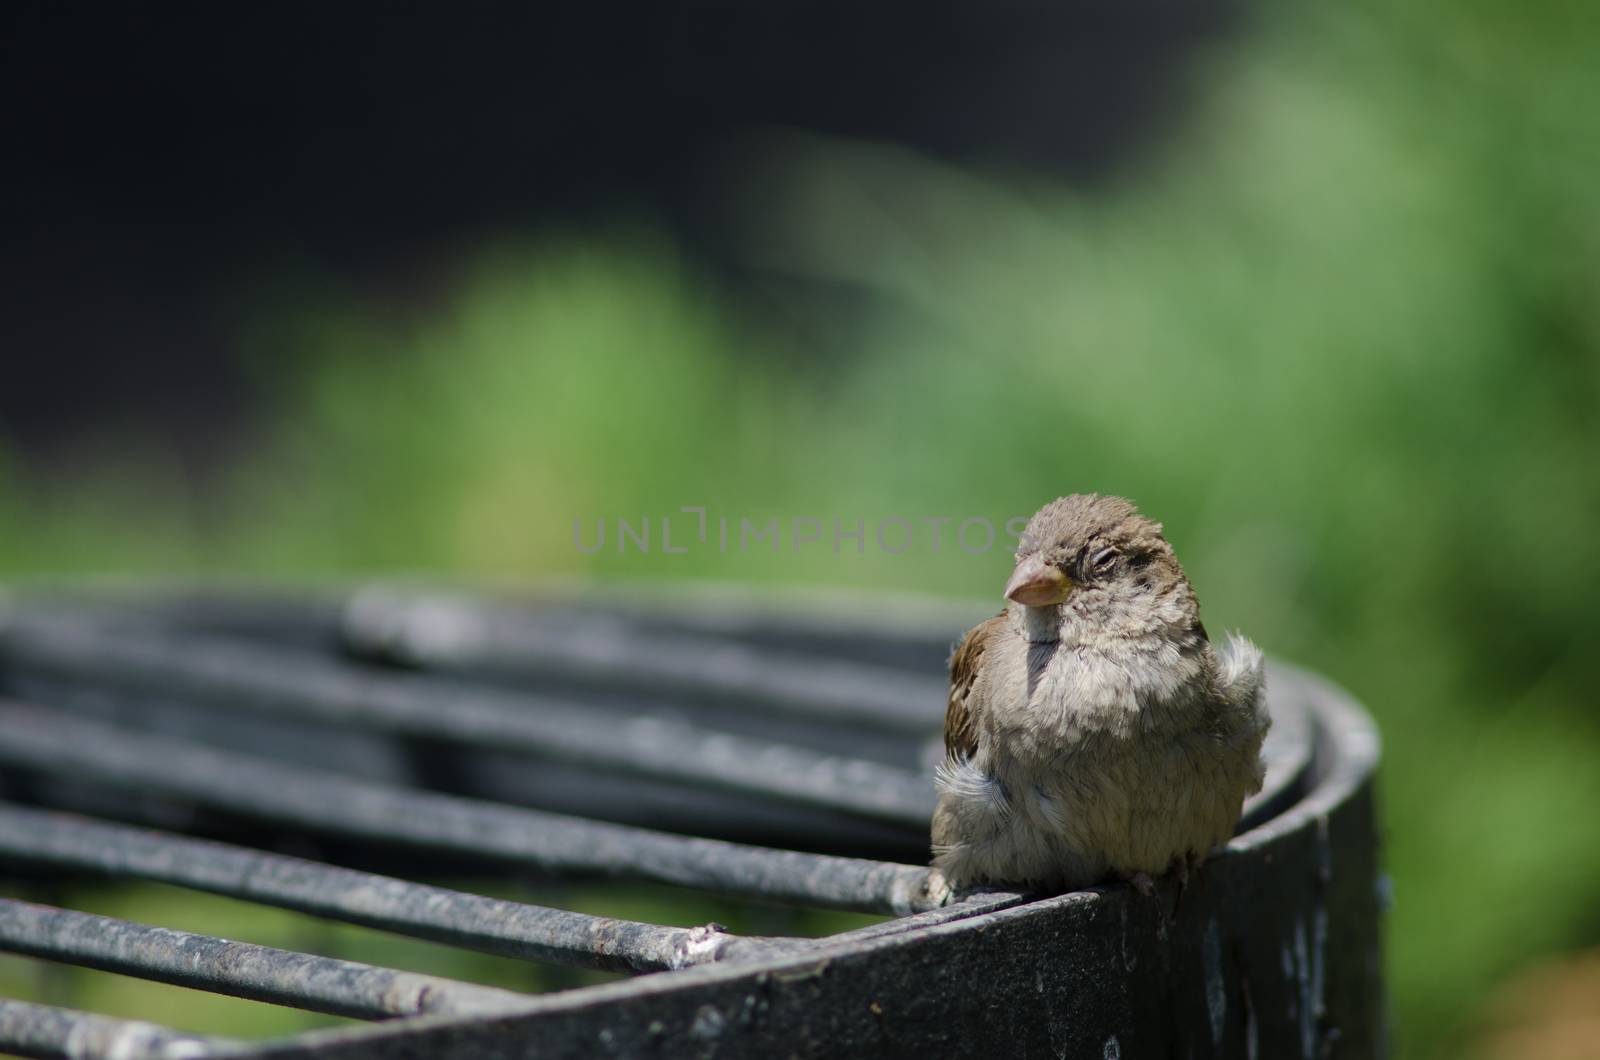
1092 731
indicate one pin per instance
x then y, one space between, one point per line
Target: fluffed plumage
1092 731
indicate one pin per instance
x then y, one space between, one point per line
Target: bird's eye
1102 560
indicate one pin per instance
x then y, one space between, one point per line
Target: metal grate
704 742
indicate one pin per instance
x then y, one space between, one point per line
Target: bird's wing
960 728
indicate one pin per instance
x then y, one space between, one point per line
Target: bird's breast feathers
1054 694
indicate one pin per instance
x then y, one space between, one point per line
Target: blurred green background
1338 327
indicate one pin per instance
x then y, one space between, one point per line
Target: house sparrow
1092 731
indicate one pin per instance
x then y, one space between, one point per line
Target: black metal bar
52 1033
303 685
449 633
491 925
49 741
242 969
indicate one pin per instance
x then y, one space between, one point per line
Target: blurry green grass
1339 333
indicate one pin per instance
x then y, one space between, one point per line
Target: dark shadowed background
332 290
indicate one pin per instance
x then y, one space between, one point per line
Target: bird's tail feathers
1242 676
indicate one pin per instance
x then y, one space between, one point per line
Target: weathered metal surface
1273 951
509 929
242 969
64 1034
323 801
247 677
442 633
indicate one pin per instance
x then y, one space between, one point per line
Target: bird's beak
1036 583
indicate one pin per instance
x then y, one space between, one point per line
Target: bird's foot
1141 882
1185 867
939 892
1180 870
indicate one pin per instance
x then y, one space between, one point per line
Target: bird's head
1098 557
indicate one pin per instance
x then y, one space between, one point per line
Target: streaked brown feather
960 729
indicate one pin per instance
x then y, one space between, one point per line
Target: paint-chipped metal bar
491 925
241 969
52 1033
439 632
321 801
301 685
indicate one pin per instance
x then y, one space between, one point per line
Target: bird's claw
938 890
1180 870
1185 867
